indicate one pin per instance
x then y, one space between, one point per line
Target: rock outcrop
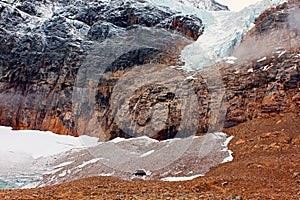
269 84
263 88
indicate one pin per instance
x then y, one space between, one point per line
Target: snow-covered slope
237 5
181 157
39 143
211 5
26 155
32 158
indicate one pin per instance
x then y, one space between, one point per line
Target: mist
294 20
257 46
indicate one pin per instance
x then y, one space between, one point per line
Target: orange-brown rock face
269 84
262 89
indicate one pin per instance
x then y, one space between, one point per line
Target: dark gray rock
187 25
44 43
102 30
27 7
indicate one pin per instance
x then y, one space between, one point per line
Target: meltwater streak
223 31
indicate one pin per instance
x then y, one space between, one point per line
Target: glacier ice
223 31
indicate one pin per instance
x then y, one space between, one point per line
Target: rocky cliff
103 69
266 81
44 43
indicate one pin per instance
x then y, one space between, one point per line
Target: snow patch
281 54
118 139
182 178
103 174
230 59
227 141
262 59
89 162
63 164
147 153
267 67
225 145
229 158
190 78
63 173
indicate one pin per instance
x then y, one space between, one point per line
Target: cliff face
103 69
263 89
44 44
265 81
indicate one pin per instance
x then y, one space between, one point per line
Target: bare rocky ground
265 166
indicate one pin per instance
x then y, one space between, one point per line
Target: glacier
223 31
25 155
31 159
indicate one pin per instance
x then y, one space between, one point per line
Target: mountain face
107 69
44 44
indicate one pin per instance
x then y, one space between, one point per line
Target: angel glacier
223 31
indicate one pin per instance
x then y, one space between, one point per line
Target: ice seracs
223 31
